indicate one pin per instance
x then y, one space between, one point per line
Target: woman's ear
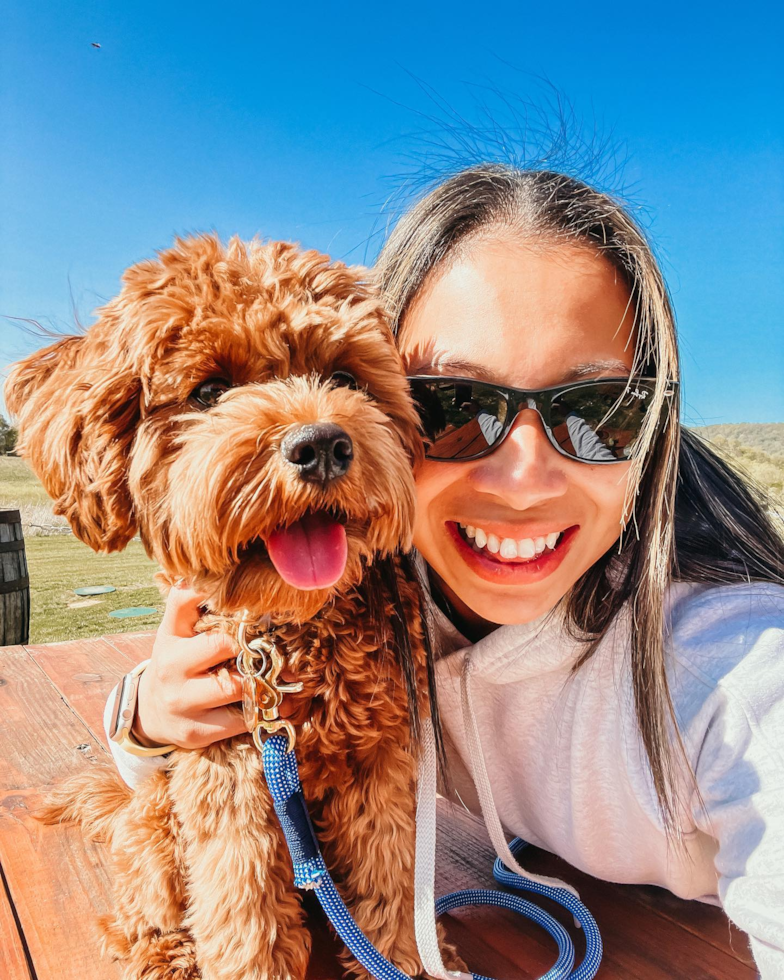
78 404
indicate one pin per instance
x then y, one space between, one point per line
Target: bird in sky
95 44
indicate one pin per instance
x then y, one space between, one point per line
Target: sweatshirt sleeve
740 774
133 768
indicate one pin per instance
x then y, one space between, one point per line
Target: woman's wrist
138 735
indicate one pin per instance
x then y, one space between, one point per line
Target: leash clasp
260 663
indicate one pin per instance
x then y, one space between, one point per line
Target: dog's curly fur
203 882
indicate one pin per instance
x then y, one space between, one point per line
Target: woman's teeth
509 547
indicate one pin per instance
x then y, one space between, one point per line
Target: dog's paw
167 956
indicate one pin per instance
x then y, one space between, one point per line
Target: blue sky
290 121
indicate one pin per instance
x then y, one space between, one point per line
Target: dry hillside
756 450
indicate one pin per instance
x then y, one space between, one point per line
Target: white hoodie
569 773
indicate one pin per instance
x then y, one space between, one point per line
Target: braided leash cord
310 872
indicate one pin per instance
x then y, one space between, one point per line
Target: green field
59 563
19 485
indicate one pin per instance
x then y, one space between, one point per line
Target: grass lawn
19 485
20 490
60 564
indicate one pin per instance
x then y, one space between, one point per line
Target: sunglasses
591 421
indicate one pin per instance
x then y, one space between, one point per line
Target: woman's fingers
207 650
216 689
224 687
228 721
211 726
183 699
181 612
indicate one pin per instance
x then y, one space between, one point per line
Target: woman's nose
525 470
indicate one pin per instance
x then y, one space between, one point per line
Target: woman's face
527 317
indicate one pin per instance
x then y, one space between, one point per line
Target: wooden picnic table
54 884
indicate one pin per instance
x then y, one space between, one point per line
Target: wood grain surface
14 964
56 881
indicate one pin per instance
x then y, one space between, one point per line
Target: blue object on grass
133 611
95 590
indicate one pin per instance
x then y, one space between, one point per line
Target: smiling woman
600 578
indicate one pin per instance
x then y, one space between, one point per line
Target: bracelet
124 713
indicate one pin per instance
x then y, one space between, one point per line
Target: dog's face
244 408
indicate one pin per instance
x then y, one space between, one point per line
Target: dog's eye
208 392
342 379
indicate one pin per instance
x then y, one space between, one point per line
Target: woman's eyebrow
612 366
455 367
450 367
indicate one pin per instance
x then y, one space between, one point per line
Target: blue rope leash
589 966
281 773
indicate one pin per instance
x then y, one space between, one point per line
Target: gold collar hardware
260 663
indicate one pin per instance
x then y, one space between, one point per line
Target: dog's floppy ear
77 403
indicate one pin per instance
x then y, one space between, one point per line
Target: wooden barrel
14 582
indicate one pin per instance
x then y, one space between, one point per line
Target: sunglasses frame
517 400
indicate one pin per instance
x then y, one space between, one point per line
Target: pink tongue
310 554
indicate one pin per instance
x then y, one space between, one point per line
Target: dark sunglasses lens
602 422
459 419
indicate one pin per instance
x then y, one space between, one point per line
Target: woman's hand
181 701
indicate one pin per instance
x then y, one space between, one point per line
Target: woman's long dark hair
688 515
394 627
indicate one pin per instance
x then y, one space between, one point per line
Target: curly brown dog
244 410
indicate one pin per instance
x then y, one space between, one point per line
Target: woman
616 590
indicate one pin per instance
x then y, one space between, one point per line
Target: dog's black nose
320 452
